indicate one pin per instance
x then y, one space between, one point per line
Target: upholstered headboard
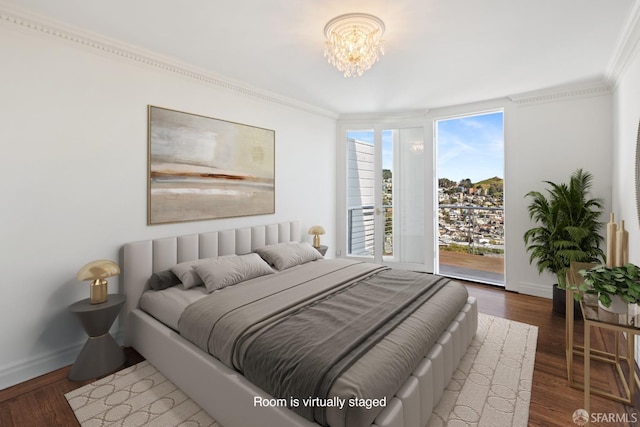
142 259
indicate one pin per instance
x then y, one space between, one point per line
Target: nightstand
322 249
101 354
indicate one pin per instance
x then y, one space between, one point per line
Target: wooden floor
553 402
41 402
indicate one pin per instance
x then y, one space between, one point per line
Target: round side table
101 354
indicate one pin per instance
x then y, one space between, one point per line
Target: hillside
487 183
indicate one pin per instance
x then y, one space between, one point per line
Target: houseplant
567 229
608 283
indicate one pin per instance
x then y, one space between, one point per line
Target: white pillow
225 271
289 254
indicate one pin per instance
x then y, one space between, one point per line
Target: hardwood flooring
41 402
553 402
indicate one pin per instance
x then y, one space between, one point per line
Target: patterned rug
491 387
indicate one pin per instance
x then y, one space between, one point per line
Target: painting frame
202 168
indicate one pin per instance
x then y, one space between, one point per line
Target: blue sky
468 147
471 147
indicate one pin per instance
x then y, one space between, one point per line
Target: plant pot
618 305
560 304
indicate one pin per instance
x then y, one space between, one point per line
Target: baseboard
535 289
17 373
40 365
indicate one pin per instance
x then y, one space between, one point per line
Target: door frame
437 177
379 123
510 112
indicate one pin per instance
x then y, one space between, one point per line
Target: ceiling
438 52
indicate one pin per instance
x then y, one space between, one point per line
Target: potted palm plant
567 229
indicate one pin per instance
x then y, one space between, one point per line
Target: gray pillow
163 280
289 254
187 274
225 271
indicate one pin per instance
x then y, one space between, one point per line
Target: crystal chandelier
353 42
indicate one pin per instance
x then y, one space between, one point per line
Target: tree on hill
446 183
466 183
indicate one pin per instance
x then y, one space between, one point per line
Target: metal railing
361 233
479 228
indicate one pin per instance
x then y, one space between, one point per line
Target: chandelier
353 42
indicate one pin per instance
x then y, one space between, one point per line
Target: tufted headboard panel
143 258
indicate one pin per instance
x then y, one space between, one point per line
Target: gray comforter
307 331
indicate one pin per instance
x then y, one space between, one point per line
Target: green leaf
605 300
567 226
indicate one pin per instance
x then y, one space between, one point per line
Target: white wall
550 140
547 136
74 168
626 122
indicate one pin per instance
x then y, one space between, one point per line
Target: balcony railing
360 231
471 243
479 229
470 239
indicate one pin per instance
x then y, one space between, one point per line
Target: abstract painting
203 168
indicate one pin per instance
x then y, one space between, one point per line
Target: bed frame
225 394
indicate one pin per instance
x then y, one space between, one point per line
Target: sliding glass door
385 194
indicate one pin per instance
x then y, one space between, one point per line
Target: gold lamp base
99 291
316 241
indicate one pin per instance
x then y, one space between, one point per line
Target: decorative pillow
225 271
163 280
289 254
187 274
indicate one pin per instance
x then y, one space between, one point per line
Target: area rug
136 396
491 387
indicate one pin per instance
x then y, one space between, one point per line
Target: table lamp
97 271
316 230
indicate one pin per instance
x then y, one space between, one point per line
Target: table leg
569 335
587 367
631 363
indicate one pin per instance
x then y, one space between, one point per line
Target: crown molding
561 93
390 117
627 46
100 44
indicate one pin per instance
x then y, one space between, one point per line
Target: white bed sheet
168 304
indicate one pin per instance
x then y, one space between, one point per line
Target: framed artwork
202 168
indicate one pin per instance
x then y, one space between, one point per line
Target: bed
234 400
